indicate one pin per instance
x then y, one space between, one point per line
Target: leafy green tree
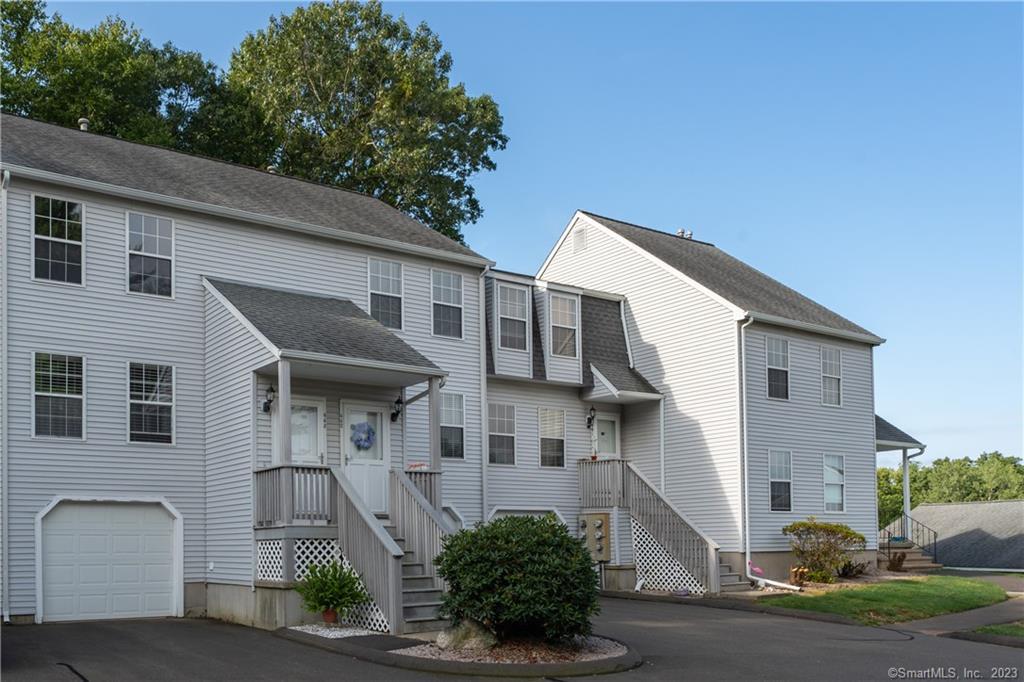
890 495
1001 477
357 98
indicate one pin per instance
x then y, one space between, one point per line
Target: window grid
835 483
150 403
446 295
513 315
501 428
59 395
563 326
831 376
453 422
57 240
780 479
150 255
386 292
777 356
552 437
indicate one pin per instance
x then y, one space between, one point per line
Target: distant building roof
976 534
888 437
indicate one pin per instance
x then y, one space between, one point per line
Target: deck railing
290 495
416 520
429 483
617 483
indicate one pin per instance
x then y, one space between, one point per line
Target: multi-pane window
447 300
150 255
563 326
453 421
835 482
777 351
831 376
780 480
552 437
150 403
59 395
57 247
501 429
513 314
386 292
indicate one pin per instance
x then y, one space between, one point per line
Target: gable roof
324 325
67 152
886 433
730 278
976 534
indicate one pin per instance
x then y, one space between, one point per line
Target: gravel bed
524 651
332 631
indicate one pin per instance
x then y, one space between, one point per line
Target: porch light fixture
591 413
271 394
395 413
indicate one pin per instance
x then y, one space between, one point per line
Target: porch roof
889 437
320 328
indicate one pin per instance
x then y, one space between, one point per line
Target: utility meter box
596 532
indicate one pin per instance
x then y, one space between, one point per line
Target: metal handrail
915 532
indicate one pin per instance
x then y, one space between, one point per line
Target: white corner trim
237 314
177 563
625 333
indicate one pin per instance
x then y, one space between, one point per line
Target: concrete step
415 582
424 624
731 578
424 610
421 595
723 569
735 587
413 569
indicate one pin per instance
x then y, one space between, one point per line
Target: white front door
606 428
364 439
308 430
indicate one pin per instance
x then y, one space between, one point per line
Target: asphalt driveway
677 642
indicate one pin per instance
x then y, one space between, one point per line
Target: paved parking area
678 643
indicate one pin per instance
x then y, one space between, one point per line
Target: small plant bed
332 630
1015 629
899 600
526 651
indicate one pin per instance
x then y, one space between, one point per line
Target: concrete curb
349 646
987 638
736 605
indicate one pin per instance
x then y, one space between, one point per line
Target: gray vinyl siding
232 353
684 342
527 484
110 327
809 430
510 362
560 368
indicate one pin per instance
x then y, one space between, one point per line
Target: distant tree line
337 92
992 476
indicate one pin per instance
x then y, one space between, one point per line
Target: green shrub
330 587
520 576
822 548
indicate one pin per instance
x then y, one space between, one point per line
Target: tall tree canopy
338 92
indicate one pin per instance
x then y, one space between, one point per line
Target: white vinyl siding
835 483
501 432
446 293
58 407
552 437
57 241
386 292
780 480
831 376
564 326
777 352
453 423
150 255
513 317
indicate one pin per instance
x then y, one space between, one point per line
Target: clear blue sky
868 155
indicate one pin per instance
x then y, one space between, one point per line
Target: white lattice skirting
659 569
310 551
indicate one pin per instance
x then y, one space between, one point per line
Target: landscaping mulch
525 651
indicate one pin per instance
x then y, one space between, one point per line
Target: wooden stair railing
417 520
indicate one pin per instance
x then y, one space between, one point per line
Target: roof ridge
649 229
938 504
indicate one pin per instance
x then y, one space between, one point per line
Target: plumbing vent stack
83 124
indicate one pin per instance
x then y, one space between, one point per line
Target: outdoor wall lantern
271 394
591 413
395 413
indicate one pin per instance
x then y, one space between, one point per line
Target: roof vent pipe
83 124
684 234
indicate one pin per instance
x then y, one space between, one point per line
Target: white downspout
761 581
906 486
661 443
484 444
4 488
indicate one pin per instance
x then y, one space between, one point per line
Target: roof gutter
813 328
245 216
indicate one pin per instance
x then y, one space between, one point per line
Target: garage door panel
93 543
127 544
94 575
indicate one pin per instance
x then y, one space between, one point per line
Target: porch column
906 493
434 410
283 454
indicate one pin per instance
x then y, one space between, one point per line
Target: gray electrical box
597 534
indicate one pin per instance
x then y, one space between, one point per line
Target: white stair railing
417 520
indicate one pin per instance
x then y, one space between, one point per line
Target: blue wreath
363 435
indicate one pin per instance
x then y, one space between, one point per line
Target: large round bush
520 576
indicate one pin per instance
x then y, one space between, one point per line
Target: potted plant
331 590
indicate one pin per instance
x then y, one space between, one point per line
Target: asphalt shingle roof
603 343
319 324
976 534
730 278
886 431
53 148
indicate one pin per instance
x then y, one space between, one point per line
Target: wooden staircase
916 559
421 593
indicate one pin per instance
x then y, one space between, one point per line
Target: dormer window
513 314
563 326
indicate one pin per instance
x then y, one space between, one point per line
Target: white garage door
107 560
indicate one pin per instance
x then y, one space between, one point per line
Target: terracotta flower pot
330 616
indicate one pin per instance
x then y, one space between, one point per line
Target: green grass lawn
1006 629
895 601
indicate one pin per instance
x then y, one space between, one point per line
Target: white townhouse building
214 376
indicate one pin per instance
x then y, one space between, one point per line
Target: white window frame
307 401
768 366
128 253
461 306
85 375
499 316
541 437
32 230
551 326
401 286
789 455
825 484
515 440
128 404
838 377
443 423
